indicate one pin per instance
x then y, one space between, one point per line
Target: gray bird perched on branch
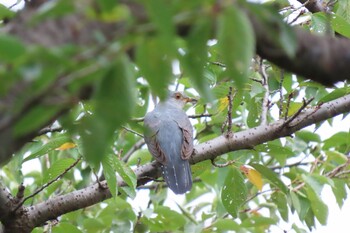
169 137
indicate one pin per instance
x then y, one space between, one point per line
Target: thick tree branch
323 59
247 139
56 206
6 202
313 5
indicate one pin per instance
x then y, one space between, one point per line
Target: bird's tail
177 175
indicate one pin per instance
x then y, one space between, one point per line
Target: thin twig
300 163
228 163
305 104
229 113
265 101
200 115
140 119
151 179
132 131
256 80
257 194
301 12
13 5
164 185
134 148
342 174
50 129
338 169
336 172
218 63
20 193
178 81
281 94
297 188
47 184
290 96
228 120
308 115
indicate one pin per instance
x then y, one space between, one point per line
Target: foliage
262 188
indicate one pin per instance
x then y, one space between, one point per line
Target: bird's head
180 99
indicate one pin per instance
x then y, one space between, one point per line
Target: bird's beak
191 100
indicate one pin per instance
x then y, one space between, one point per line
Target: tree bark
38 214
321 58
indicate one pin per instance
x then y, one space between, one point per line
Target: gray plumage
169 137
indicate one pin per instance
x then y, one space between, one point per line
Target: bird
169 137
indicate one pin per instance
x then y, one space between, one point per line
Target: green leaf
165 220
337 140
310 219
64 227
288 40
113 105
224 225
57 169
258 221
53 9
10 48
340 25
110 174
342 8
35 119
336 158
308 136
196 55
52 144
161 14
93 225
234 192
298 229
279 32
234 31
154 55
319 23
5 13
107 5
313 182
300 204
280 200
337 93
318 207
271 176
339 190
154 66
127 174
254 108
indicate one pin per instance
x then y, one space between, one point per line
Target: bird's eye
177 96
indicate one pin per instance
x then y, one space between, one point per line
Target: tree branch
313 6
323 59
56 206
265 100
249 138
6 202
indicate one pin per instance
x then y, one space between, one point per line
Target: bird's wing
187 134
152 124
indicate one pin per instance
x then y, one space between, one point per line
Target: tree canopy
77 78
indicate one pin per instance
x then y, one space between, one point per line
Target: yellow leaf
253 176
223 103
66 146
